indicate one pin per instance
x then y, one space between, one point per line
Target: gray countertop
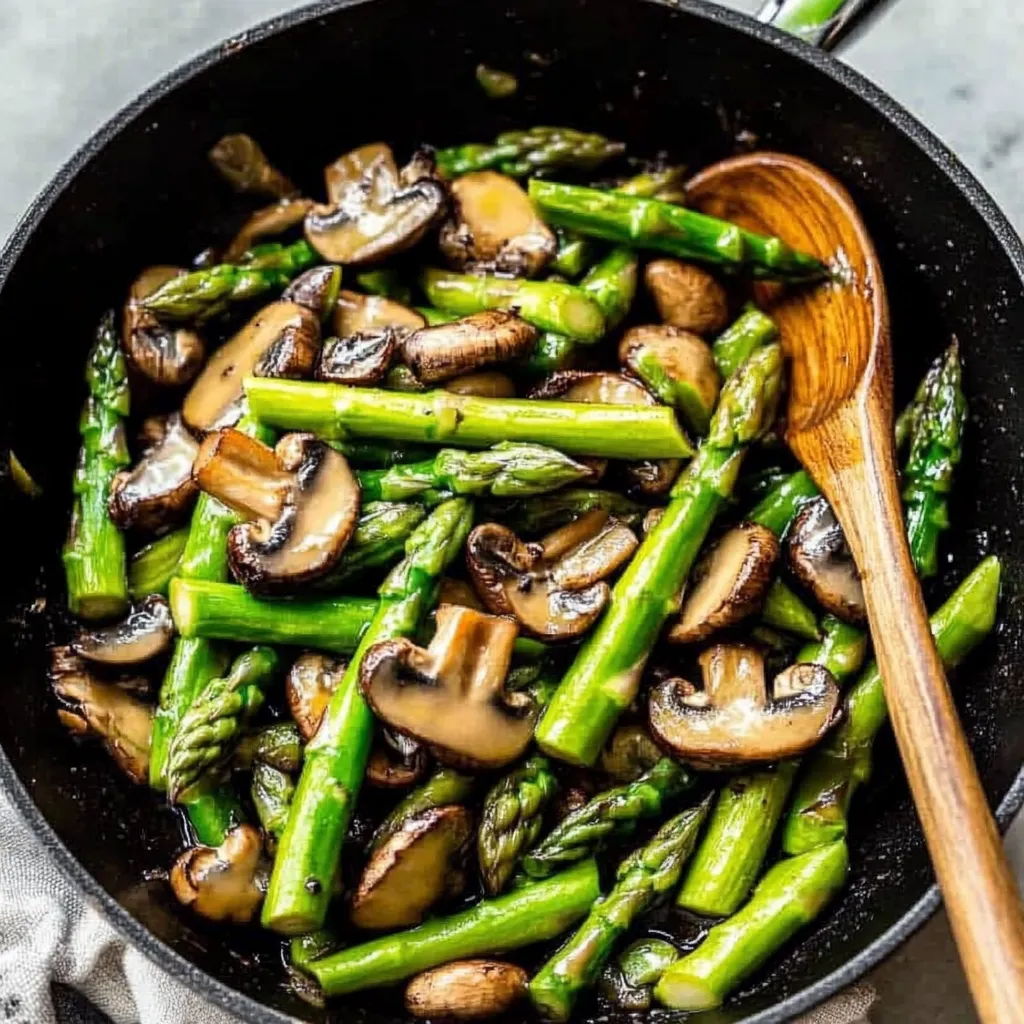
65 69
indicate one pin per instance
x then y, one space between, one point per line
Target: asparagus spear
843 761
445 786
613 814
790 896
151 567
385 281
934 453
667 183
784 610
550 352
307 860
741 339
611 283
204 293
94 556
529 914
380 454
435 316
272 792
629 982
779 507
665 227
379 540
213 809
841 649
440 417
209 729
533 516
605 676
531 151
506 470
279 746
225 611
574 254
511 820
641 880
550 305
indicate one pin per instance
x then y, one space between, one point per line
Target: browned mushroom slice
167 355
316 289
308 688
302 495
372 219
486 384
372 164
226 882
451 696
450 350
495 227
265 223
415 867
629 753
452 591
555 588
368 314
389 768
466 990
822 561
687 296
146 632
677 366
651 519
729 583
105 710
159 490
282 340
732 721
243 163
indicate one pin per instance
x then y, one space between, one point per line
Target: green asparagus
739 341
641 880
629 981
526 915
790 896
841 649
94 555
385 281
779 507
213 809
613 814
665 227
550 305
783 609
445 786
379 541
666 183
534 516
380 454
151 567
335 761
835 770
209 730
574 254
511 820
605 676
496 84
439 417
272 792
611 283
551 352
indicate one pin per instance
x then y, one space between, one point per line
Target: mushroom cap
687 296
593 387
413 868
311 682
366 314
223 883
270 220
729 583
317 289
373 162
732 721
451 695
466 990
159 490
146 632
485 384
167 355
495 227
821 560
243 163
449 350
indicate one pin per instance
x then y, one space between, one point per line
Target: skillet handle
822 23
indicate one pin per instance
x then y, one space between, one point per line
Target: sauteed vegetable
465 601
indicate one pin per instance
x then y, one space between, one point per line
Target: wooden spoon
840 426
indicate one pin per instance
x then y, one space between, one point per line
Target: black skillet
690 78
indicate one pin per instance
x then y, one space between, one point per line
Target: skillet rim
938 153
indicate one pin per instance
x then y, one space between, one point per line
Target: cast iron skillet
689 77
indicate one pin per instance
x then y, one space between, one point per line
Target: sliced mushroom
308 688
316 289
687 296
282 340
822 561
732 721
677 366
629 753
265 223
226 882
418 865
451 696
160 490
374 217
466 990
452 591
302 495
555 588
729 583
368 314
243 163
105 710
495 227
373 162
486 384
165 354
145 633
483 339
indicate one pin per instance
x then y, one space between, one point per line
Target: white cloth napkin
50 932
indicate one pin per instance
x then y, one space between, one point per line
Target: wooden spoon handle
975 877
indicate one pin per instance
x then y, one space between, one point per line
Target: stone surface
65 69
